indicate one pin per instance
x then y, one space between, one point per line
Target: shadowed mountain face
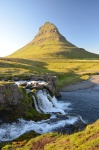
49 43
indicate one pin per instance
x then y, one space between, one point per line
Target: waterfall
35 103
46 103
43 104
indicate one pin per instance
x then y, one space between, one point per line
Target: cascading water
45 104
36 106
48 104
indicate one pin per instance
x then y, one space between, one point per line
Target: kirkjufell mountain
49 43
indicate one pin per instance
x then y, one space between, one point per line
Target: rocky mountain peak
48 27
49 43
48 31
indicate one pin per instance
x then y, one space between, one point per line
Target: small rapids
44 104
11 131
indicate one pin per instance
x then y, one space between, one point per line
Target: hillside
49 43
50 52
84 140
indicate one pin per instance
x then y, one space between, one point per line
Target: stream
71 108
84 102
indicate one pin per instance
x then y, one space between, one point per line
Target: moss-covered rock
16 103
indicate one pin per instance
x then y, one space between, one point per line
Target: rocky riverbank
93 81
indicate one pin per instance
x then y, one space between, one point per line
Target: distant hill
49 43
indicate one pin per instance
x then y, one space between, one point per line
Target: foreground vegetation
84 140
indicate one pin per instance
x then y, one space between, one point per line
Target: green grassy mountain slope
49 43
84 140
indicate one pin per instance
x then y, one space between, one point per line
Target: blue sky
77 20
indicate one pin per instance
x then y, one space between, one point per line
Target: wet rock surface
48 82
70 128
10 94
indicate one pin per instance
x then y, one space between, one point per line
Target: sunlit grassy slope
49 43
84 140
68 71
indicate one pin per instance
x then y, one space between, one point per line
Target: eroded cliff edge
15 102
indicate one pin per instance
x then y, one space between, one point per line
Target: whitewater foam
49 104
11 131
43 104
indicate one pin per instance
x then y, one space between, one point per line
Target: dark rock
50 88
23 84
39 87
57 94
16 78
29 86
52 83
79 125
67 129
55 81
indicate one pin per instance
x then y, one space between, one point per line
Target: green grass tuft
83 140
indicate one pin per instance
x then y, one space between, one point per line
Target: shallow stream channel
75 108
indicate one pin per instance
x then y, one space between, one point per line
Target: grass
6 82
67 71
83 140
50 53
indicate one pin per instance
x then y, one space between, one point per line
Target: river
84 102
73 106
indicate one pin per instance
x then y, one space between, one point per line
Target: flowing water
72 106
84 102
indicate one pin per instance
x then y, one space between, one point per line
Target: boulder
38 87
52 84
23 84
29 86
57 93
50 88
